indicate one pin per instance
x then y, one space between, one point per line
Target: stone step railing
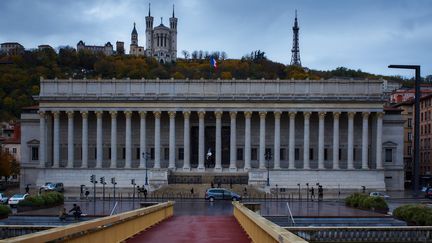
364 234
8 231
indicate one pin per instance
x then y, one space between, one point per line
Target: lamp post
145 155
307 192
268 157
299 196
416 161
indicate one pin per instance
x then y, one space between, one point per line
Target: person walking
312 191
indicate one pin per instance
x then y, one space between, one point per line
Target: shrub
5 210
46 199
358 200
414 213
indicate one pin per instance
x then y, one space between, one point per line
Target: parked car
428 193
3 198
221 194
58 187
379 194
15 199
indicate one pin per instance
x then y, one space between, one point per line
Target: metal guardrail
114 228
364 234
9 231
260 229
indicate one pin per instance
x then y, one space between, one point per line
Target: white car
3 198
15 199
379 194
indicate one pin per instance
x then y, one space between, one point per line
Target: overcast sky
367 35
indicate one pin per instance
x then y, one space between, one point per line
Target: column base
218 169
201 169
186 169
246 169
172 168
233 169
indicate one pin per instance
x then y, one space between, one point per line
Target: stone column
99 152
113 139
186 141
262 140
321 140
233 142
70 163
351 140
128 142
379 163
365 140
306 137
42 143
172 140
218 152
336 116
201 149
143 142
56 138
291 152
277 116
157 115
248 115
84 148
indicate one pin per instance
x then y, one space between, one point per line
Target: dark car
428 193
58 187
221 194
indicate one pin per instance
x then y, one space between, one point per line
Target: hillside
19 75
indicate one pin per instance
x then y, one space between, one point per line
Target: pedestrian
312 191
27 189
145 193
62 214
192 191
219 184
212 184
320 193
76 211
231 183
87 193
245 192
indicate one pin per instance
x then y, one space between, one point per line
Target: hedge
5 210
363 201
45 199
416 214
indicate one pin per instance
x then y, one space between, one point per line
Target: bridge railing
114 228
260 229
364 234
9 231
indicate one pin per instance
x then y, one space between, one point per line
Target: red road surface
194 229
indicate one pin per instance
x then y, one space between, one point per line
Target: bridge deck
194 229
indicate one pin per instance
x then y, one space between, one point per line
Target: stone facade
106 49
334 132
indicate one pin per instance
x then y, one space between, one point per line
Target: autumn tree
8 164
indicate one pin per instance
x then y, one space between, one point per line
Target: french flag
213 63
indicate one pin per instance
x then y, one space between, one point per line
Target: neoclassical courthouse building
333 132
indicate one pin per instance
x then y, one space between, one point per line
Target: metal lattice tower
295 58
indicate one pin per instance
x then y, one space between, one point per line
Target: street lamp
416 166
268 157
145 156
307 192
299 196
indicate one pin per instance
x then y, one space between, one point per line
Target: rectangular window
124 153
268 151
7 150
409 136
180 154
409 150
35 153
95 153
311 154
340 154
239 154
409 122
296 154
152 153
14 150
388 155
138 153
254 154
282 154
109 153
166 153
354 154
325 154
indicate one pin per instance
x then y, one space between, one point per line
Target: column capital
70 114
113 114
99 114
365 115
292 114
233 114
277 114
322 114
84 114
248 114
201 114
380 114
218 114
186 114
128 114
351 114
42 114
307 114
142 114
171 114
262 114
56 114
157 114
336 114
